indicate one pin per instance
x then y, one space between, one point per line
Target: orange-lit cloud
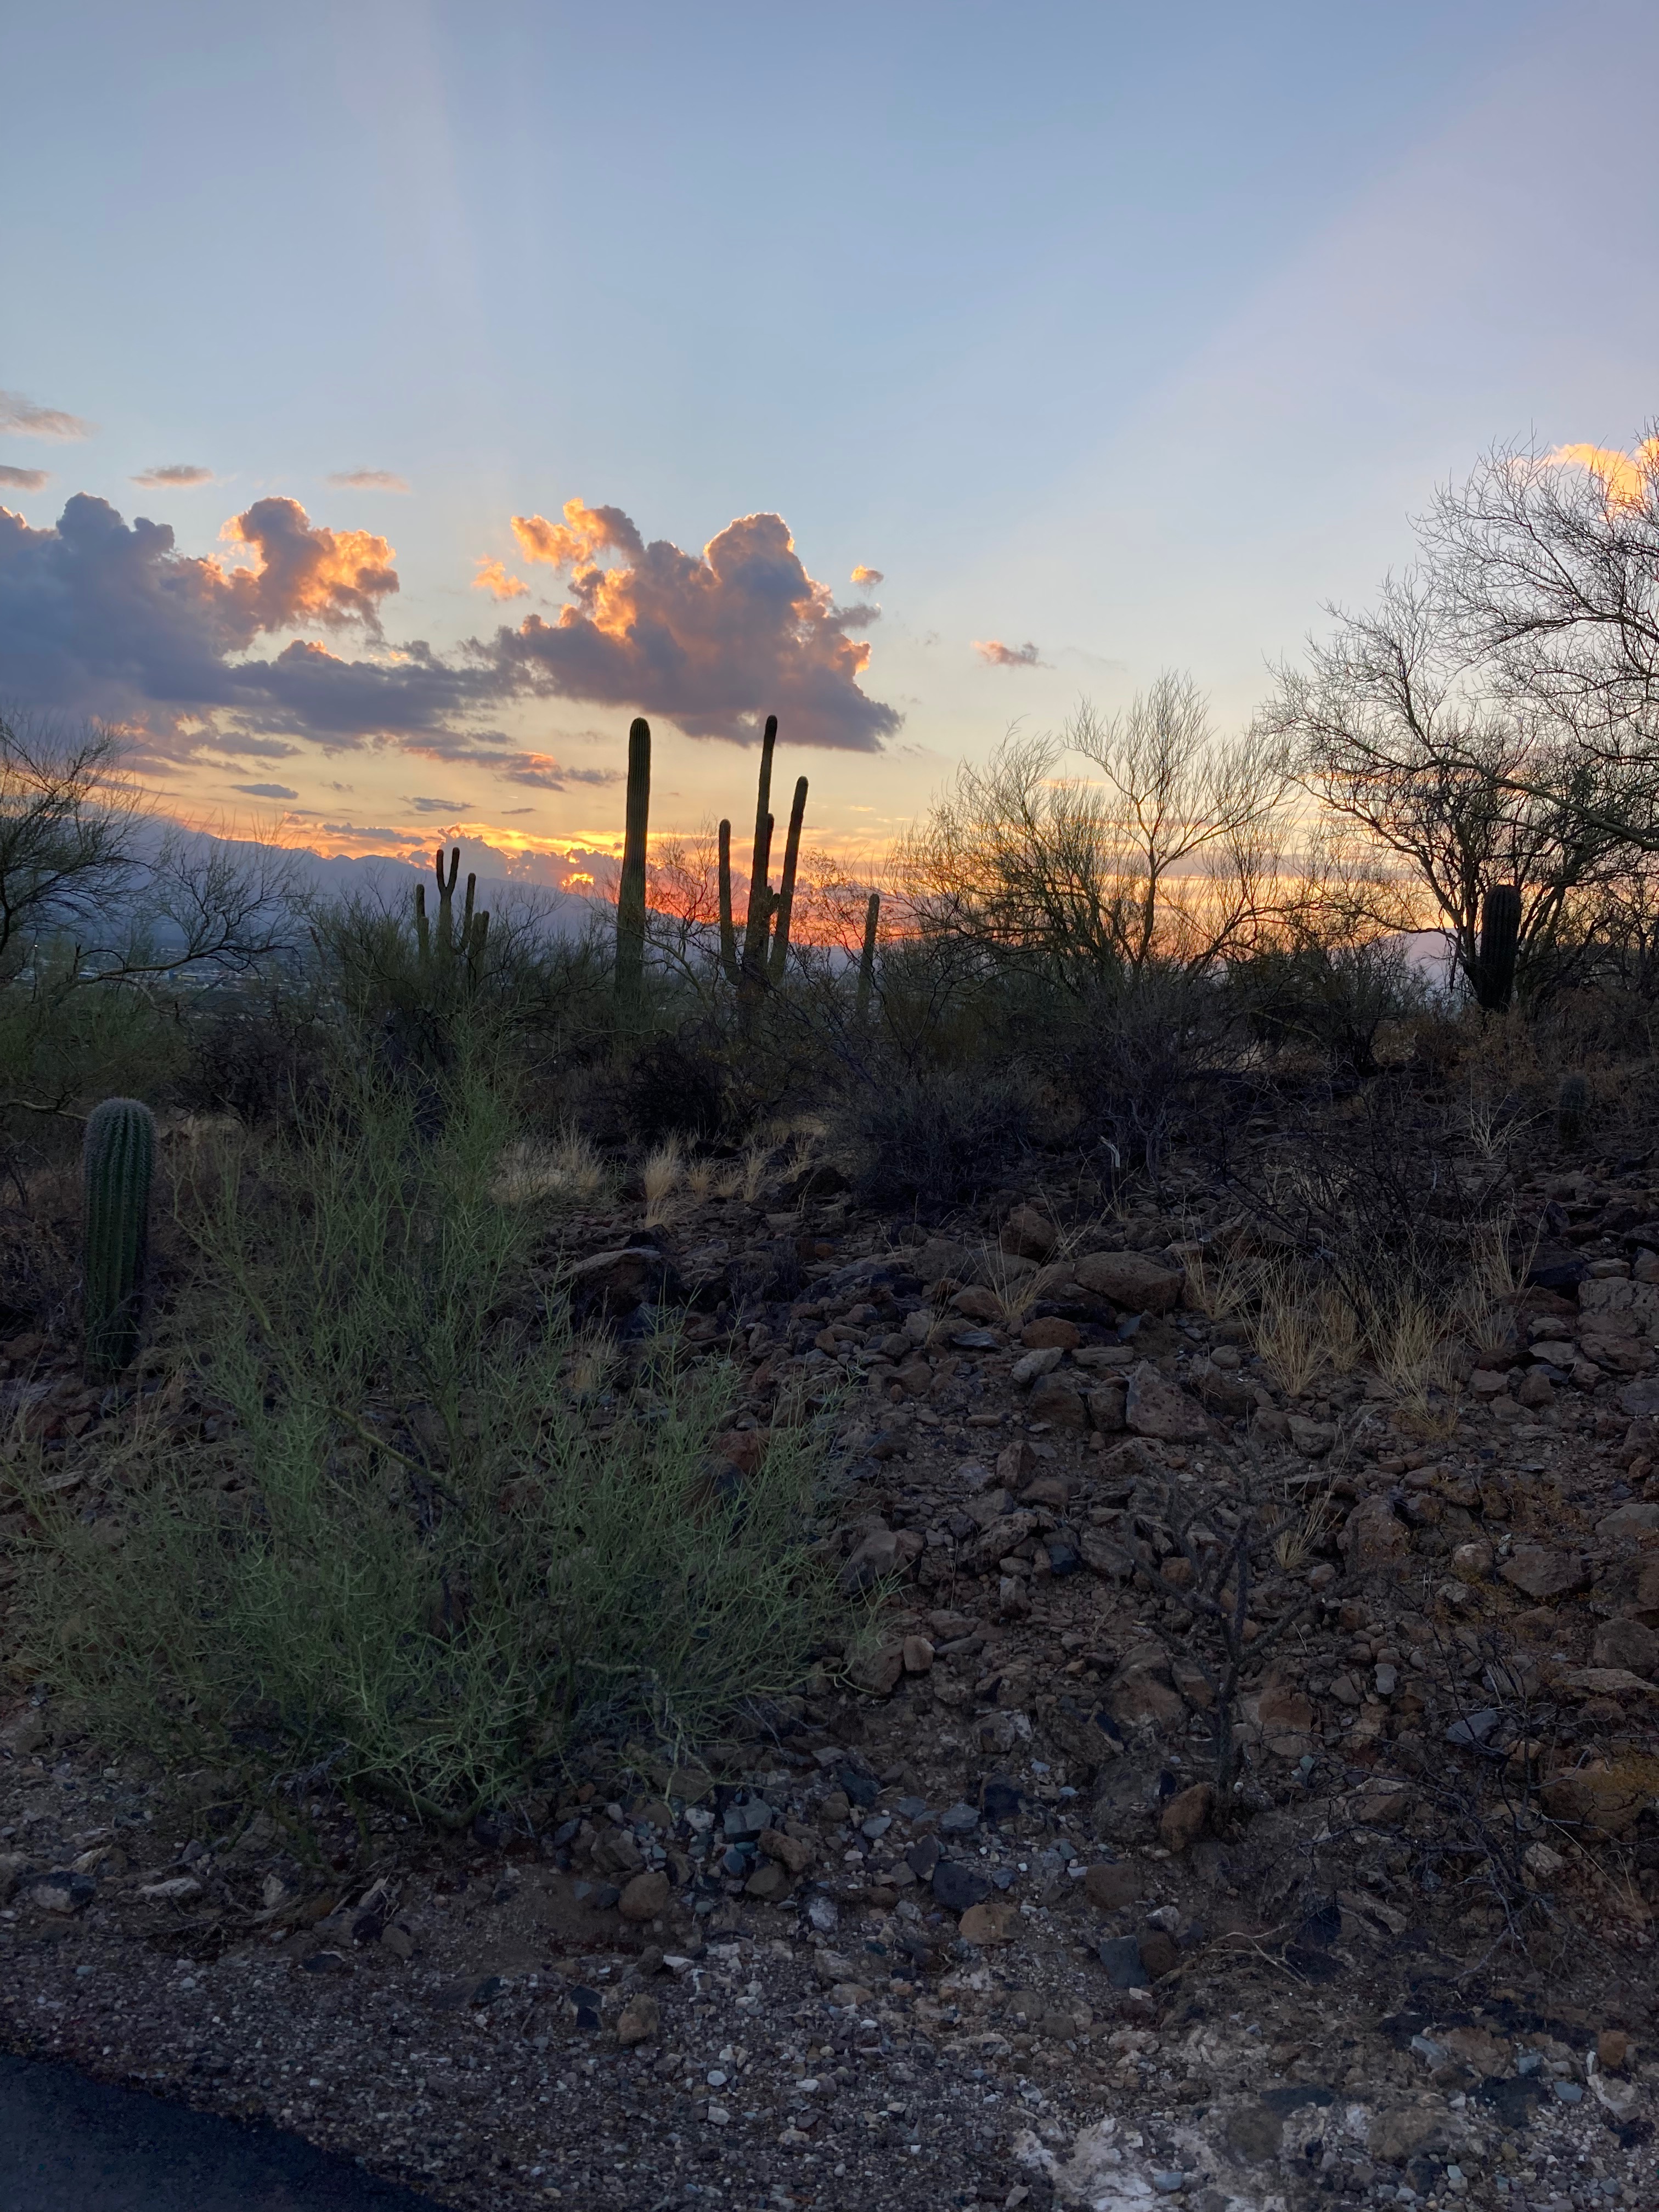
24 479
492 577
996 654
303 574
714 642
175 475
369 480
863 575
585 533
1629 479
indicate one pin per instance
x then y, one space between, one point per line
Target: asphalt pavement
69 2144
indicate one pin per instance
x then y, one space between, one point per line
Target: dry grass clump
660 1178
569 1170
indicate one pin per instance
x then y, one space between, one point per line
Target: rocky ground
967 1924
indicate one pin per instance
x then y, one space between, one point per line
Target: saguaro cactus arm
786 890
117 1162
728 928
867 958
630 892
760 890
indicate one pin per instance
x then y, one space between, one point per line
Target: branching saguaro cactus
758 922
118 1162
1500 944
630 894
450 958
867 959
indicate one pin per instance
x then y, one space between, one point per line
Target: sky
399 398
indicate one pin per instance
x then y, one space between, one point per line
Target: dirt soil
965 1924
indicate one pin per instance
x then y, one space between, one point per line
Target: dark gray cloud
22 415
438 805
24 479
265 790
174 476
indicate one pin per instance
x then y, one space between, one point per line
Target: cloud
996 654
537 770
265 790
176 474
863 575
24 479
369 480
449 806
1627 478
492 577
28 420
713 641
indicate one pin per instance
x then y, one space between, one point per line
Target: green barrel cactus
118 1161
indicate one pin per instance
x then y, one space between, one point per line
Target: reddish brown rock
1374 1537
1049 1330
646 1896
1543 1572
1132 1280
1185 1816
1058 1403
1028 1234
1153 1408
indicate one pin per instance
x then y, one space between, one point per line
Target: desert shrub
936 1136
409 1556
1334 997
671 1084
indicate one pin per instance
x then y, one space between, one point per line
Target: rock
1395 2134
957 1886
1629 1645
874 1559
1612 2049
1541 1571
60 1891
1542 1864
646 1896
1143 1690
771 1883
1027 1369
1486 1382
175 1889
978 1304
1601 1801
1473 1562
794 1852
1111 1884
23 1731
918 1656
639 2020
1627 1522
1125 1969
960 1819
1050 1333
1013 1598
988 1924
1185 1816
1535 1390
396 1939
12 1864
1028 1234
1313 1439
1059 1404
1160 1954
616 1283
1105 1407
1254 2134
1156 1408
1131 1279
1638 1399
1374 1537
877 1672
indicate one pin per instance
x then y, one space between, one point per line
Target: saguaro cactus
758 921
728 929
1500 941
867 958
1570 1103
786 888
630 894
117 1162
450 955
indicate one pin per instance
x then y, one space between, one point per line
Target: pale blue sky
1132 331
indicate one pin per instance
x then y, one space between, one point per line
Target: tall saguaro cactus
728 928
867 959
786 889
758 921
1499 945
449 957
117 1161
630 893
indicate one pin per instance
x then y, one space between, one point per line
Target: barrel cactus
118 1161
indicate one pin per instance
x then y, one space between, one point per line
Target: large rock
1153 1408
1106 1404
1028 1234
1131 1279
1542 1572
1057 1403
1185 1816
615 1283
1599 1801
646 1896
1374 1537
1636 1519
1143 1693
1628 1644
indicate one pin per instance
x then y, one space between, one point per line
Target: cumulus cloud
28 420
863 575
265 790
369 480
1628 477
178 476
996 654
24 479
492 577
713 640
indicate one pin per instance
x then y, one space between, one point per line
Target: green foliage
934 1137
118 1162
630 895
412 1555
